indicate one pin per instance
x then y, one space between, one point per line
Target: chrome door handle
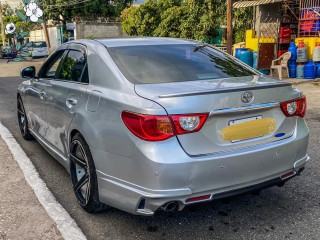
72 101
42 94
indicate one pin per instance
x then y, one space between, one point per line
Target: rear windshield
39 44
175 63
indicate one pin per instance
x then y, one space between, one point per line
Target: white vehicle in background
39 49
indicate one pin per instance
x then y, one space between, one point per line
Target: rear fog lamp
287 175
198 199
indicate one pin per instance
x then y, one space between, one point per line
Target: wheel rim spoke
20 112
87 191
81 183
78 161
81 173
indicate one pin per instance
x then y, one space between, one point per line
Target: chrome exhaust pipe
170 206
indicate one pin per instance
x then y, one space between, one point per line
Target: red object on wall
307 25
284 40
285 32
280 52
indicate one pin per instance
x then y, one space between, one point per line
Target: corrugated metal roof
243 4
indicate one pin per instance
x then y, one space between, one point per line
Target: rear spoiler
226 90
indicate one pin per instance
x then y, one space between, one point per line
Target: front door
36 93
65 96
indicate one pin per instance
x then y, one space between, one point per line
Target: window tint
73 66
52 67
175 63
39 44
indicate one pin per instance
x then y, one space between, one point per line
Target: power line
68 4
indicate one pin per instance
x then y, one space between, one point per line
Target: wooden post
2 27
46 35
229 26
45 29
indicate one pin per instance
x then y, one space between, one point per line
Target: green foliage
195 19
143 20
19 19
243 21
91 37
58 10
21 15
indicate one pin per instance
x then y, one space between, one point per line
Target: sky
138 1
12 3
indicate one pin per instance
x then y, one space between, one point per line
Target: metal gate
268 37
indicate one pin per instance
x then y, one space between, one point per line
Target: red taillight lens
188 123
147 127
295 107
159 128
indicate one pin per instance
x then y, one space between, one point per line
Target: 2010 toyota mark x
144 124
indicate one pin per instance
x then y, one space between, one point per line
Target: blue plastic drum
245 56
310 70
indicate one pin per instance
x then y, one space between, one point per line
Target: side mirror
28 72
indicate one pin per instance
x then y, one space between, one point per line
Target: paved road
291 212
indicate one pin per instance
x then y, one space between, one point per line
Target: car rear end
39 49
225 129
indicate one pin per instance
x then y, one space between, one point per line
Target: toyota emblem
247 97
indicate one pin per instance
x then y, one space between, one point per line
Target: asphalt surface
290 212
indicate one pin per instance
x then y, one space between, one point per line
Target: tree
61 10
243 21
142 20
195 19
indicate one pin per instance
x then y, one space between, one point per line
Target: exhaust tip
170 206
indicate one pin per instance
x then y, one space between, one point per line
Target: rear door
66 95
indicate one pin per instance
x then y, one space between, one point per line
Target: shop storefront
277 24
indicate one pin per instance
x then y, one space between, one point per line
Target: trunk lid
232 123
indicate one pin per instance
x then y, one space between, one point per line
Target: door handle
72 101
42 94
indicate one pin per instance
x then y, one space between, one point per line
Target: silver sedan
143 124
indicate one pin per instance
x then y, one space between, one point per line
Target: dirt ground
21 214
13 69
312 93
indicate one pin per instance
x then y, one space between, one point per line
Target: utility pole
229 26
2 26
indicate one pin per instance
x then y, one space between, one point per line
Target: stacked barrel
316 59
299 65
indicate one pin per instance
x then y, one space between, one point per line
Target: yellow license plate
246 129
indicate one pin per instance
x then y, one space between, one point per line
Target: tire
23 121
83 176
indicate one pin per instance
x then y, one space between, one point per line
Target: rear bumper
153 177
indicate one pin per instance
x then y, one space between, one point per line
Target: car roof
139 41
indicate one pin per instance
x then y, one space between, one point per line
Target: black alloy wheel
83 175
23 122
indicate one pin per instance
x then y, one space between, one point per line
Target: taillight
188 123
147 127
159 128
296 107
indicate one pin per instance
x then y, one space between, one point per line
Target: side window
52 67
73 66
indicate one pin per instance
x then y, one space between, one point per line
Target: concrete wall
37 35
98 30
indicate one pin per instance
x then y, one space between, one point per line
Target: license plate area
247 128
242 120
